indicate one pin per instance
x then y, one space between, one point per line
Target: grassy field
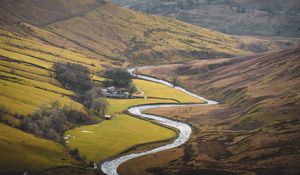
20 151
152 89
119 134
26 73
112 137
26 83
117 106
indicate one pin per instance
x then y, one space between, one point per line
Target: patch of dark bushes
118 77
3 111
189 152
73 76
52 121
77 77
94 100
75 154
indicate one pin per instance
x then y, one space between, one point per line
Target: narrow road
110 167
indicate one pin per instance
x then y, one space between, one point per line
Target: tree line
118 77
51 121
77 78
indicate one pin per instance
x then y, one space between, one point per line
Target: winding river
110 167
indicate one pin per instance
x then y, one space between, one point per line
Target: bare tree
136 72
131 90
51 121
98 106
174 80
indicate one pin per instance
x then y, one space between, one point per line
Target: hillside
242 82
106 31
255 129
238 17
36 34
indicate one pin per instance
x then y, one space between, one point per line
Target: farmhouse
113 92
107 117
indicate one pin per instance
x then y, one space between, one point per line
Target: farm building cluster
113 92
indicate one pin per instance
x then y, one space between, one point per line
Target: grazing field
23 92
26 73
117 106
20 151
111 137
152 89
26 83
119 134
24 99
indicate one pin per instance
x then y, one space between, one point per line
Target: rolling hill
260 84
237 17
255 129
108 32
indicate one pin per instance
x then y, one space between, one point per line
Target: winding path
110 167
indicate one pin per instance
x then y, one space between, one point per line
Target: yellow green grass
25 58
38 52
111 137
26 73
24 67
38 78
25 99
152 89
27 83
37 84
117 106
22 92
20 151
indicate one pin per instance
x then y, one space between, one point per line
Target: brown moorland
255 129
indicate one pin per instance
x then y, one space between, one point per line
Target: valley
58 57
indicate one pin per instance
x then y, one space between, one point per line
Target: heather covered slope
107 31
265 84
255 129
237 17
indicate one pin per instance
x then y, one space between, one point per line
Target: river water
110 167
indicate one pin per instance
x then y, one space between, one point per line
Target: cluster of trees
73 76
94 100
51 121
118 77
74 152
77 78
